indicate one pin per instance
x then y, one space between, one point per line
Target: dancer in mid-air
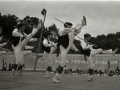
89 52
19 40
65 43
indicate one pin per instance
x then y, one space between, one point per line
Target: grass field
35 81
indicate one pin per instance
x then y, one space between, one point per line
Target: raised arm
33 39
84 46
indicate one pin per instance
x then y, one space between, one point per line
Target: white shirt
84 45
46 44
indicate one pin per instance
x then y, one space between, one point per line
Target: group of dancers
65 43
66 37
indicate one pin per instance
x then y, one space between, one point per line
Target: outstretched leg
34 31
98 51
26 40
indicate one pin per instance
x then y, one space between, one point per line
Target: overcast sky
103 17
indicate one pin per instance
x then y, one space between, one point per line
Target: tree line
9 22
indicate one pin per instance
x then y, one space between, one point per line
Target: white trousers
18 50
48 56
95 52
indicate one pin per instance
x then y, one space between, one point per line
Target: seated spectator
77 71
65 70
5 66
117 71
70 71
10 67
95 72
100 72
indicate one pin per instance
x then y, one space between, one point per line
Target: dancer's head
48 35
87 37
21 26
68 25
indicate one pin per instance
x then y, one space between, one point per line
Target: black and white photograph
59 44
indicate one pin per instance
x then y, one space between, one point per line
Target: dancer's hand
32 47
29 47
33 39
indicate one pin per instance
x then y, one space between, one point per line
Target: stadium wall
74 61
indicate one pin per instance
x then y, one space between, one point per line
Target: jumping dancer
19 40
89 53
65 42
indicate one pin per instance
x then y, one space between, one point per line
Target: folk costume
19 40
65 42
48 47
89 53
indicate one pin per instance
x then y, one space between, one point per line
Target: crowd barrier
74 61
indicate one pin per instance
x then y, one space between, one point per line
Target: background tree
9 23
